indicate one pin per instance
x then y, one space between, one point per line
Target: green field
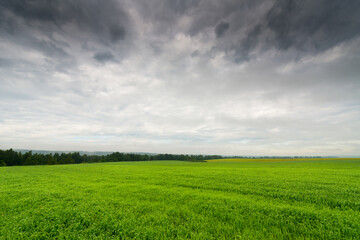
278 159
181 200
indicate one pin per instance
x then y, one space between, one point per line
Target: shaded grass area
180 200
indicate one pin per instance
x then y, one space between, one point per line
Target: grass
182 200
278 159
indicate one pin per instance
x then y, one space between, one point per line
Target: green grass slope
182 200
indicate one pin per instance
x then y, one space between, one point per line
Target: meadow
315 199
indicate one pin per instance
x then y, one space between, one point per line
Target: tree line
13 158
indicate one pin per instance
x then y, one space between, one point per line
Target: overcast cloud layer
244 77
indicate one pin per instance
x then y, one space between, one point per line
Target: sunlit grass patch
277 159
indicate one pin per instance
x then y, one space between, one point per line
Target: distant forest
15 158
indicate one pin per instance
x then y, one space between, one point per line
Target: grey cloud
181 6
164 15
5 62
49 48
221 28
194 53
209 13
103 57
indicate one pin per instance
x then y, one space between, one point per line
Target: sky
231 77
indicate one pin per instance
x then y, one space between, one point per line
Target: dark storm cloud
308 25
103 57
117 33
303 26
246 45
103 19
221 28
